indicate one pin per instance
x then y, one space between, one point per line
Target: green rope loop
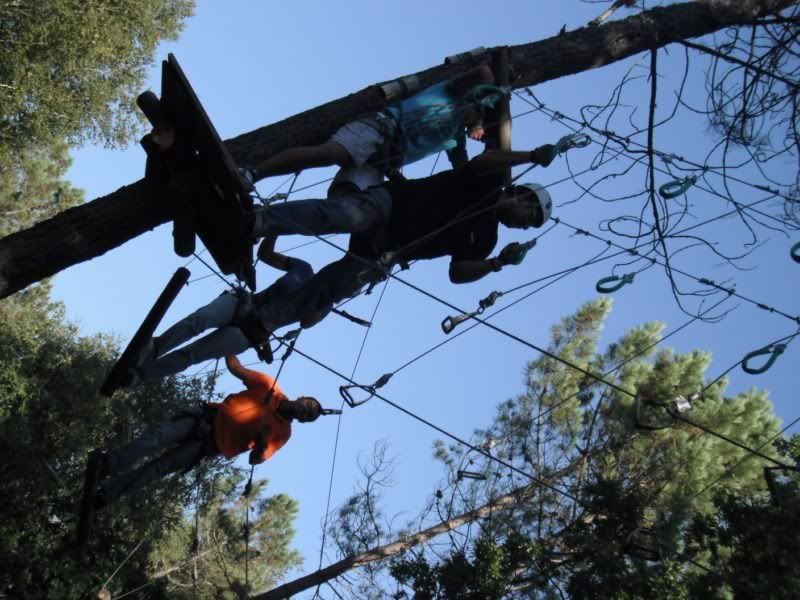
774 351
491 95
673 189
603 288
796 252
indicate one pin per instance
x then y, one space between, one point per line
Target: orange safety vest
241 417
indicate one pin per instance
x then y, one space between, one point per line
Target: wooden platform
201 182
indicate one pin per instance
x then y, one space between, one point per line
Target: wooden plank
131 353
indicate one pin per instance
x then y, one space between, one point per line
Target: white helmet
542 198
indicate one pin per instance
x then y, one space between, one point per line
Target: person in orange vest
258 419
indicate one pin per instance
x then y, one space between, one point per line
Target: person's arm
267 254
463 83
491 161
458 155
466 271
258 451
249 377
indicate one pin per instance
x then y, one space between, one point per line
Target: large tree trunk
90 230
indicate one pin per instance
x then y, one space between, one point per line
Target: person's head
305 409
524 205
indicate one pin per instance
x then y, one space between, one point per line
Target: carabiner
603 289
573 140
795 252
450 323
774 351
673 189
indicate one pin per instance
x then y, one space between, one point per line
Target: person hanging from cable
258 419
434 119
235 318
454 213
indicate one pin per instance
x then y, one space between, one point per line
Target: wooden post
498 118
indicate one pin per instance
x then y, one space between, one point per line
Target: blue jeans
185 437
352 213
226 339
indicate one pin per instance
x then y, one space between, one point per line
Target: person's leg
354 179
217 344
292 160
161 435
217 313
313 300
184 456
351 213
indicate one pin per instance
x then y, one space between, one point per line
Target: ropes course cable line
701 280
336 439
667 158
483 451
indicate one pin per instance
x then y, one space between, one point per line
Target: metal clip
683 404
774 351
603 289
450 323
344 390
470 475
795 253
673 189
573 140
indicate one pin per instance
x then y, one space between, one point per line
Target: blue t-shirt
430 121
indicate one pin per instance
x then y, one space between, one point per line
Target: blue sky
254 63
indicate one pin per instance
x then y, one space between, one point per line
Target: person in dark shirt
455 213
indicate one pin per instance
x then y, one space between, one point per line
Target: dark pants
184 441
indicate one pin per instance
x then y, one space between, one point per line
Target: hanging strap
603 288
673 189
774 352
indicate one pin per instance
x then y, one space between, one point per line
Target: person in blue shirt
432 120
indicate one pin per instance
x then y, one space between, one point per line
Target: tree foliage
50 417
589 479
71 69
33 188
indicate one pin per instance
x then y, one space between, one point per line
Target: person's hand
248 175
513 253
476 133
544 155
257 453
